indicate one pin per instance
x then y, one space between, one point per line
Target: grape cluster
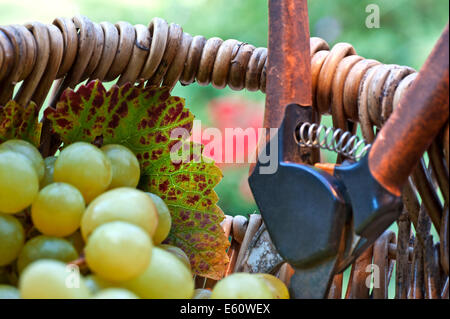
75 226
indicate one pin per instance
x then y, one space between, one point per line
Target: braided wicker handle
74 50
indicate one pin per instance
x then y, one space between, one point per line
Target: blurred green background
408 30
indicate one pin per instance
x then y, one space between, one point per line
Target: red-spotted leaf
17 122
142 119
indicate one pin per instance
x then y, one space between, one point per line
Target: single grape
12 237
49 163
28 150
9 292
51 279
124 164
177 252
45 247
241 286
57 210
125 204
84 166
118 251
277 287
202 294
166 277
77 241
19 182
96 283
164 219
115 293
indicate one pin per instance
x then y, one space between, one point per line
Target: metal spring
332 139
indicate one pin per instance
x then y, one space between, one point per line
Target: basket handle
421 114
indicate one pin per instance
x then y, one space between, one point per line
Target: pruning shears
319 220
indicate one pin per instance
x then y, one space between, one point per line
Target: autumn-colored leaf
17 122
142 119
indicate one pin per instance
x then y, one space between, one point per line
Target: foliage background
407 33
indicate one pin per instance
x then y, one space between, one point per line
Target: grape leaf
19 122
142 119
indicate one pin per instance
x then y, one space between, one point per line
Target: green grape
202 294
96 283
29 151
124 164
45 247
177 252
19 182
164 219
57 210
241 286
49 163
84 166
12 237
166 277
9 292
77 241
115 293
118 251
124 204
51 279
277 287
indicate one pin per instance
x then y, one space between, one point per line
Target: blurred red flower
233 113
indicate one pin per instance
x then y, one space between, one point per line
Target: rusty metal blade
289 64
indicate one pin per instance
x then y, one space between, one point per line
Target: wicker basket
37 56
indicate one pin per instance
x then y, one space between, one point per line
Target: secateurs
321 221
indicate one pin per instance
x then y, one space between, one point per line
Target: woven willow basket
36 57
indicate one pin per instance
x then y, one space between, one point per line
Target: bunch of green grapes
83 207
